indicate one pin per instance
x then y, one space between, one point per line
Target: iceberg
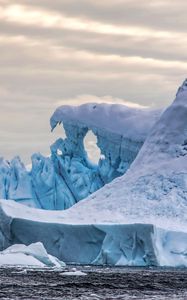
67 176
138 219
33 255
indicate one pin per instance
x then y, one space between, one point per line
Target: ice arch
67 175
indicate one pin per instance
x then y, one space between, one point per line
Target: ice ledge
134 244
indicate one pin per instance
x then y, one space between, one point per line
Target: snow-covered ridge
67 176
131 123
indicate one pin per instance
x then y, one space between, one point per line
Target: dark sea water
98 283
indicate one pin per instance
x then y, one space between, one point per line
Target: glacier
137 219
67 175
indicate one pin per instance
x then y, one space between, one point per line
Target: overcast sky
55 52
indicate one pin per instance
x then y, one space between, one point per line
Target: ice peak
183 87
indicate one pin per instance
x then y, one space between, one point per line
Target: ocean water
87 282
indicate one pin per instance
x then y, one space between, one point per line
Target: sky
57 52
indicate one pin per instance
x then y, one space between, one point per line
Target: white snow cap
129 122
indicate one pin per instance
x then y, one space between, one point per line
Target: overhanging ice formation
67 175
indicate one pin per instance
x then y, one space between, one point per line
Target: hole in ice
59 152
91 148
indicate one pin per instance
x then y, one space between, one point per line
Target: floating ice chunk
73 273
32 255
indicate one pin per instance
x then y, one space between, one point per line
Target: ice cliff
67 176
139 218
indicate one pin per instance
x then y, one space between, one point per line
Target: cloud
80 99
154 14
69 52
27 15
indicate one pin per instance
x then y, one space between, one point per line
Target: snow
33 255
131 123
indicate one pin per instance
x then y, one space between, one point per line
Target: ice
84 243
33 255
131 123
4 178
67 176
138 219
20 184
74 273
131 244
154 189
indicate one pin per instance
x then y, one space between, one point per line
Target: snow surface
132 123
33 255
131 244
